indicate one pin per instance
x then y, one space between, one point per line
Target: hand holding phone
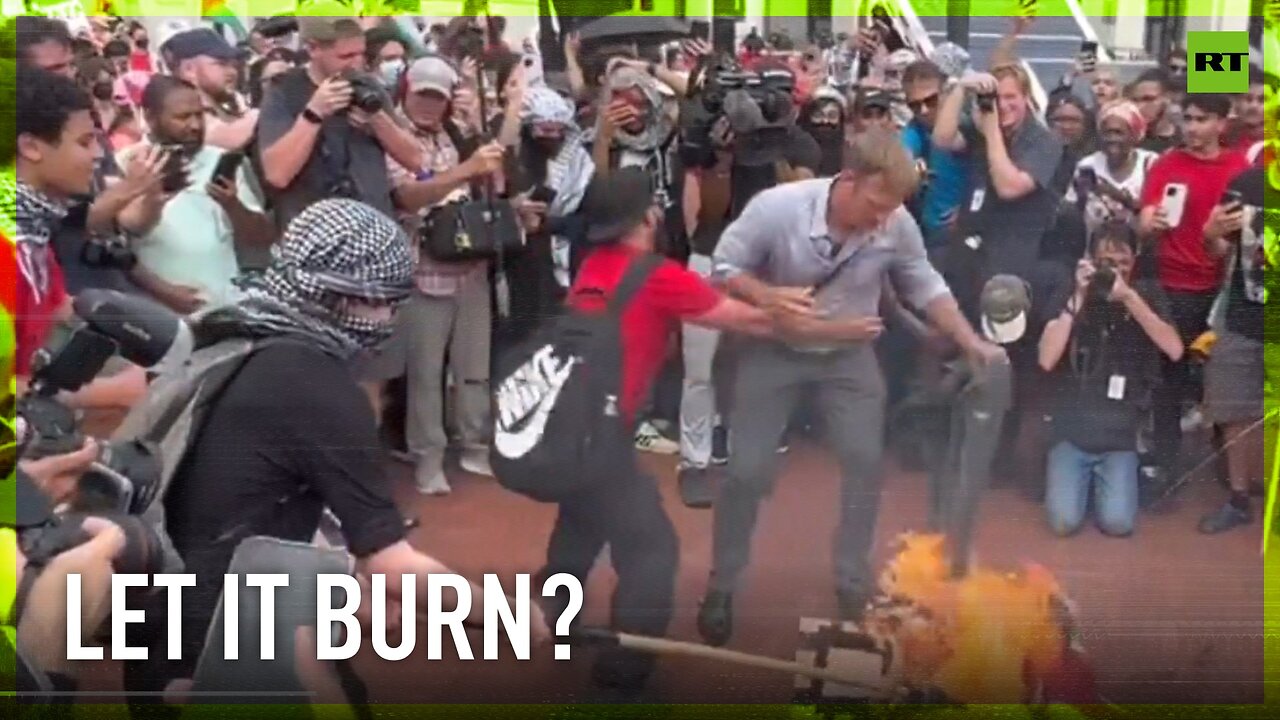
1173 203
1089 55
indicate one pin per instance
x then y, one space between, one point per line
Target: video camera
126 475
721 85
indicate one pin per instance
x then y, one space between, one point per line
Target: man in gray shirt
815 253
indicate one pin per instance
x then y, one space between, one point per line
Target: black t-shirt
1246 311
799 150
341 152
1106 376
1011 230
293 424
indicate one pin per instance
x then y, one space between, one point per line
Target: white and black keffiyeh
568 173
334 249
36 217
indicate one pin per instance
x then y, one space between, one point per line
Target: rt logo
1219 62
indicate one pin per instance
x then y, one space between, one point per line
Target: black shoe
715 618
695 487
1227 517
720 445
851 604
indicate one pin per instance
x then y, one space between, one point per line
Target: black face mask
549 146
103 90
827 135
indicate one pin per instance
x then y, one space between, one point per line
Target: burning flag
989 637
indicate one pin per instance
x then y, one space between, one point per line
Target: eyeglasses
1177 68
916 106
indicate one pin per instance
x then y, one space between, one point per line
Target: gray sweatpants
850 403
698 401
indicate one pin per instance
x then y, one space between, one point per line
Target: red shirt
671 295
1182 263
36 312
140 60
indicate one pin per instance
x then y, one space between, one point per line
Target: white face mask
390 71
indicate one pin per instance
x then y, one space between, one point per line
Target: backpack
172 414
557 426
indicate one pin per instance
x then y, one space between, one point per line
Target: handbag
471 230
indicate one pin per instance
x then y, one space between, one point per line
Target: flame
990 637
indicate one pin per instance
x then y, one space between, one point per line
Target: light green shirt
193 244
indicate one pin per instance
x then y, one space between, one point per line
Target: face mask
827 135
103 90
551 146
141 43
390 71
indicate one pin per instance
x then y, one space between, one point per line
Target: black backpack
557 425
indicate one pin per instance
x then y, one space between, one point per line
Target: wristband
310 116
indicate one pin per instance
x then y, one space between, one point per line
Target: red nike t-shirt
671 295
1182 263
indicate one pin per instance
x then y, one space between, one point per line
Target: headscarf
658 124
1127 112
568 173
334 249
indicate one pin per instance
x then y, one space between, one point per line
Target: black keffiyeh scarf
334 249
36 218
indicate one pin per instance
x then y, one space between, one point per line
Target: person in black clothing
1238 231
1102 351
292 433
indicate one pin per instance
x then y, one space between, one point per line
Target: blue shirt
782 238
948 177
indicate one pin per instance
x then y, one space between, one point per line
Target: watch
310 116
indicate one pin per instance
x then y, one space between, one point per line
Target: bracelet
310 116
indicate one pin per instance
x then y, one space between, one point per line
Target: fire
990 637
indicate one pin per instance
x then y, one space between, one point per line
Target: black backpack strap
638 272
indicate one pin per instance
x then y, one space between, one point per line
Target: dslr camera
366 92
108 253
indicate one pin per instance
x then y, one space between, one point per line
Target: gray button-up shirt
782 238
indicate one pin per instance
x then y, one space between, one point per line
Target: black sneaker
715 618
695 487
720 445
1227 517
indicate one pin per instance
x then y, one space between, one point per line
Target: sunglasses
916 106
1177 69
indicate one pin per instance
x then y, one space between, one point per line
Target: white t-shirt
1099 209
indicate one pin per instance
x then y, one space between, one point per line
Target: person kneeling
1102 349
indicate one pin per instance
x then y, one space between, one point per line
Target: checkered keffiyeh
335 249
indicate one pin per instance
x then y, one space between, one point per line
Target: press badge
1115 388
979 196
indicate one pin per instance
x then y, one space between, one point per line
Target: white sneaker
1193 420
431 480
648 439
476 462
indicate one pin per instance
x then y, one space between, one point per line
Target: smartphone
532 63
175 171
1089 54
1174 202
543 194
700 30
227 166
1231 197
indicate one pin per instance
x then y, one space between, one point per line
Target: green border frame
843 8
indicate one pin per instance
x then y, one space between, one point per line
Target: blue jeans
1114 479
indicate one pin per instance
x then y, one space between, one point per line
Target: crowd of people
834 247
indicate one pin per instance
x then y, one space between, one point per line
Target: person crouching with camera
1103 350
451 308
325 130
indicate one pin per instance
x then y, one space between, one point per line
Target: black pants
625 512
1190 316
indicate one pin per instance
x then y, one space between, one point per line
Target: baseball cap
874 97
197 43
1005 302
324 29
616 203
431 73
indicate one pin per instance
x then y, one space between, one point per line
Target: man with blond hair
814 254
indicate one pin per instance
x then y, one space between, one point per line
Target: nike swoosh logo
541 374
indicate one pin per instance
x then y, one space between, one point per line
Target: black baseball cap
616 203
201 41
